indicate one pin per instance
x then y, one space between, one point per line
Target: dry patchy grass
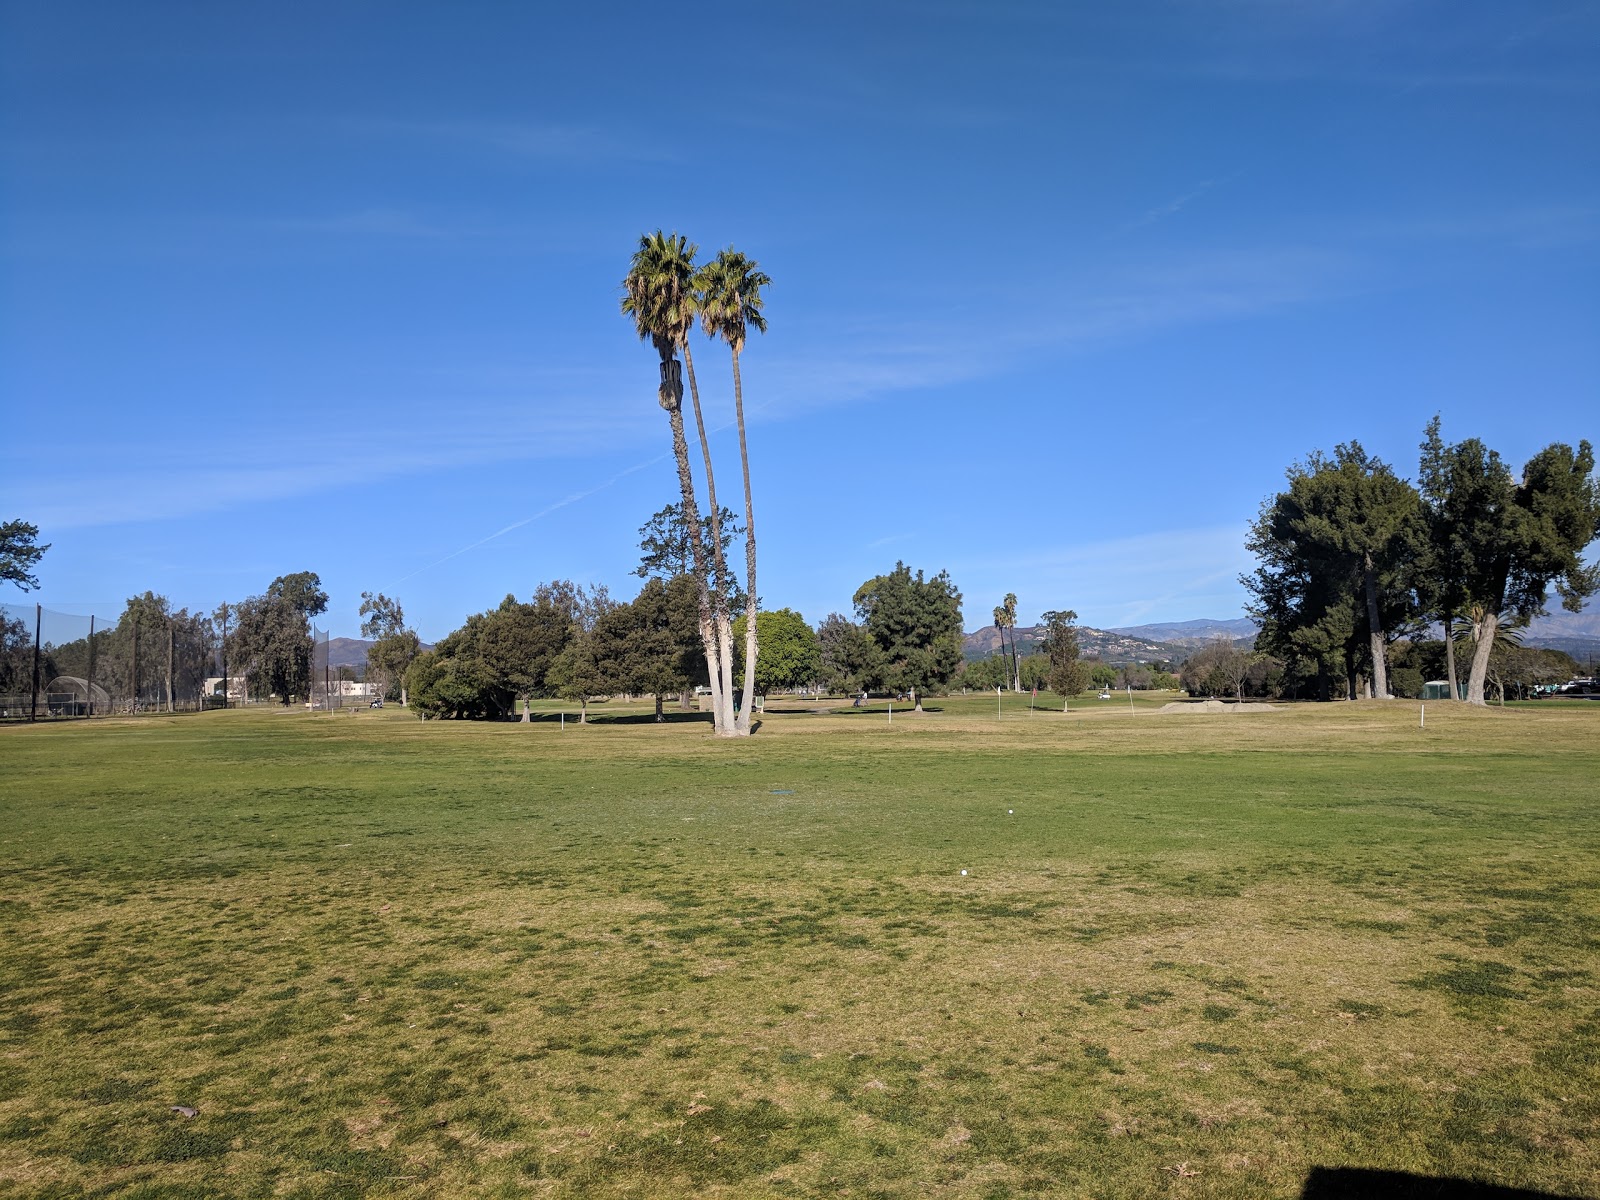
1192 956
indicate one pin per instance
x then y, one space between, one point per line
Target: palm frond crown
658 291
729 288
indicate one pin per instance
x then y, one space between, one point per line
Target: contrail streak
565 501
529 520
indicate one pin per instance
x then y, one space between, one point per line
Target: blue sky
1059 289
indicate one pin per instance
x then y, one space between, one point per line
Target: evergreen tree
915 624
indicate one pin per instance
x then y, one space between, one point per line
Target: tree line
1353 558
581 644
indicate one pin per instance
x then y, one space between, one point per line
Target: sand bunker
1215 706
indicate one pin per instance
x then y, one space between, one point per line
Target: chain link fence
60 666
327 690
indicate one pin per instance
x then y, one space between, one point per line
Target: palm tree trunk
751 644
697 550
1484 630
725 633
1380 669
722 695
1450 654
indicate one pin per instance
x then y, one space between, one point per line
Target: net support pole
33 703
224 655
89 699
135 665
169 664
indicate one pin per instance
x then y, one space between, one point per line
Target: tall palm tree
1002 621
1011 624
658 293
721 617
730 306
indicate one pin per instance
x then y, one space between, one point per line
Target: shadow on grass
1360 1183
646 718
601 718
847 711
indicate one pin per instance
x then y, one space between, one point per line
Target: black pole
224 655
33 704
89 699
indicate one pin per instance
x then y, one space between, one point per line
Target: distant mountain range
1111 645
352 652
1577 634
1191 633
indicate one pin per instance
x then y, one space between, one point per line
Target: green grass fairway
1193 954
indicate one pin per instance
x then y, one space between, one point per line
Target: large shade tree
730 302
1341 553
506 655
790 657
659 649
270 643
393 646
20 552
915 625
1509 541
665 553
848 657
1068 675
1361 512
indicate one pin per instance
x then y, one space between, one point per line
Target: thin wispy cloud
269 466
528 140
371 222
1136 302
1171 208
1541 227
557 506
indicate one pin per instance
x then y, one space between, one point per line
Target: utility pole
33 703
135 664
224 654
169 664
90 681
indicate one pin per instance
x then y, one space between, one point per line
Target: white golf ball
1010 812
963 871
